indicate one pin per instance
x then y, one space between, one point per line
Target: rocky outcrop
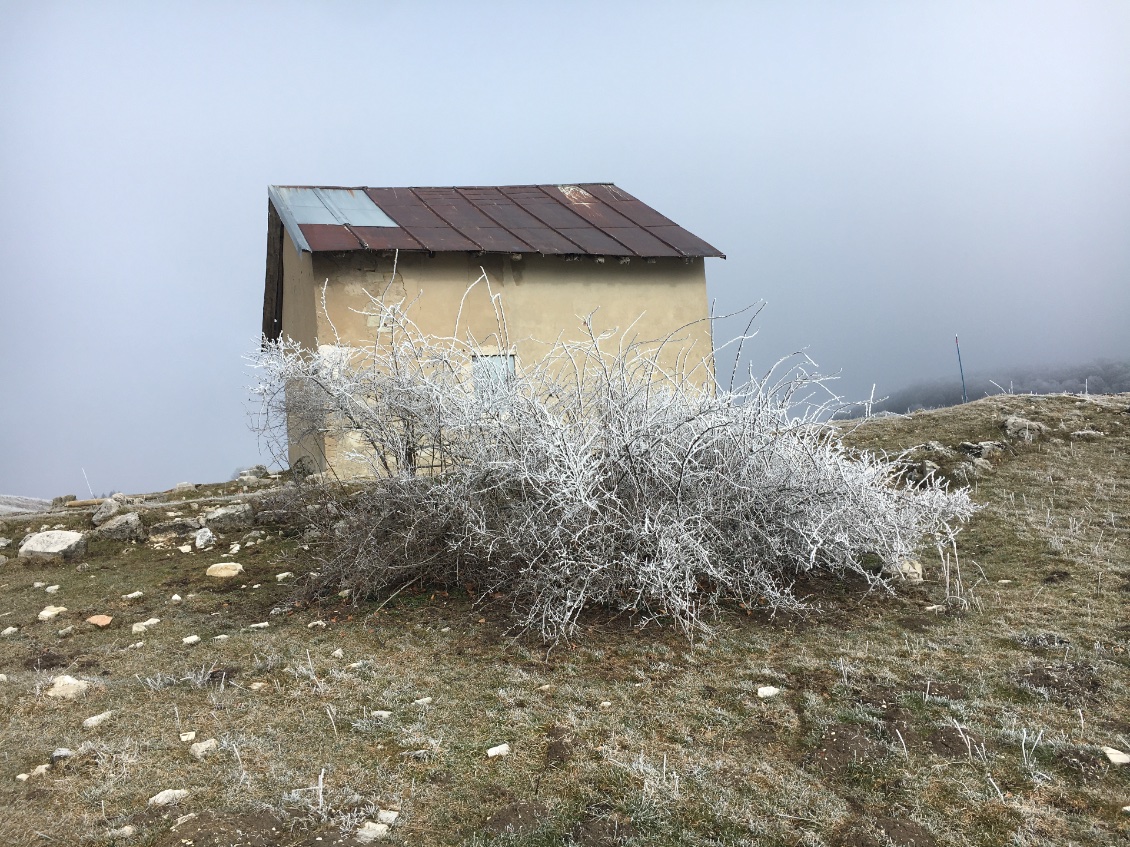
127 527
235 516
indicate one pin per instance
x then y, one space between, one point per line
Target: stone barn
553 254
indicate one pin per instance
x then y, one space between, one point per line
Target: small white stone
51 612
500 750
51 589
67 630
279 577
935 608
1126 809
388 816
370 832
126 831
1004 582
152 622
261 625
21 777
176 598
3 677
767 691
310 625
446 629
40 770
192 639
220 637
67 687
138 628
188 736
204 537
234 549
225 570
201 749
185 548
61 753
381 713
11 630
1116 756
338 653
423 701
133 595
606 704
257 585
38 584
168 797
97 720
257 686
354 666
345 593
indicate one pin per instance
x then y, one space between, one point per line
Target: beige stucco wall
299 322
542 299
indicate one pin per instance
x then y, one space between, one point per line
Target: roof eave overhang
288 221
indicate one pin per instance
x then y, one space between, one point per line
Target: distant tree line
1100 377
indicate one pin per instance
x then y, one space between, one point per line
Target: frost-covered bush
592 476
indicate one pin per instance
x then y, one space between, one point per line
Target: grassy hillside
907 720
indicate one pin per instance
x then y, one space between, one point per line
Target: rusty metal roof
590 219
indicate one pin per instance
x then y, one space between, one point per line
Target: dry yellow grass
979 723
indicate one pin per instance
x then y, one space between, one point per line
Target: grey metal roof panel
583 219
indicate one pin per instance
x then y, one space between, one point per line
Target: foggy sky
884 175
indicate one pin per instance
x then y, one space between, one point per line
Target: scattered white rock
1116 756
38 584
344 594
1087 434
51 612
388 816
606 704
176 598
257 585
338 653
446 629
204 538
97 720
355 665
257 686
499 750
279 577
261 625
67 630
201 749
225 570
310 625
137 645
53 544
381 713
220 637
67 687
133 595
371 831
767 691
188 736
937 607
61 753
168 797
185 548
1004 582
40 770
190 640
3 677
233 549
1022 428
911 570
423 701
21 777
11 630
126 831
51 589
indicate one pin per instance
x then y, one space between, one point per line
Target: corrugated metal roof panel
586 218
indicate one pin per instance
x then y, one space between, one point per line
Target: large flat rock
54 544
